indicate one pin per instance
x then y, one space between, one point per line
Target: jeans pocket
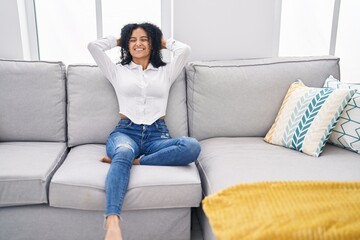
161 127
124 123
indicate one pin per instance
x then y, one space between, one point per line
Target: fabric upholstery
346 133
93 109
80 183
26 169
224 162
242 97
227 161
41 222
32 101
307 116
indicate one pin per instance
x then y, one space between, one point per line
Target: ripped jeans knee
124 145
120 144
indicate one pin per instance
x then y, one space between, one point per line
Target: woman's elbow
91 46
186 51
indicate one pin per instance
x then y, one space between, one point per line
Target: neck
143 62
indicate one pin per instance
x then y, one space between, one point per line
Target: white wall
215 29
10 38
228 29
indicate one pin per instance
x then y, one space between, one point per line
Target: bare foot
113 231
108 160
136 161
105 159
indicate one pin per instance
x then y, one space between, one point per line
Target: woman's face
139 45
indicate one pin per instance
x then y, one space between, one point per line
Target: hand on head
163 43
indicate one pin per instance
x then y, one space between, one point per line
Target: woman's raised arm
97 49
181 53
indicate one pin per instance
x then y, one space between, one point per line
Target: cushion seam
98 188
259 64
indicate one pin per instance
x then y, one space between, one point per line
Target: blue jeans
154 146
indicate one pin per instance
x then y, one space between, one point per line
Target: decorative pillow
346 133
307 116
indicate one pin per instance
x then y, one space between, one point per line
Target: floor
196 233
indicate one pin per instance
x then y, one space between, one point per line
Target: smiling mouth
139 49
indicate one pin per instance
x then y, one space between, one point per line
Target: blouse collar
133 65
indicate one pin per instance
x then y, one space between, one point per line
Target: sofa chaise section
250 160
228 161
232 105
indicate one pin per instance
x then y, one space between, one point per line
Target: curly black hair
154 34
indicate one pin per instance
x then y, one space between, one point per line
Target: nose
138 42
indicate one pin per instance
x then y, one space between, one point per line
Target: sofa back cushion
242 97
32 101
93 110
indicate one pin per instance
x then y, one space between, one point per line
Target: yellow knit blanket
286 210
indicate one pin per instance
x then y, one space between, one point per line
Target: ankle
112 220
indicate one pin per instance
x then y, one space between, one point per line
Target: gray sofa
54 122
53 126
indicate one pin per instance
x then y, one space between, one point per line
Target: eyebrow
140 37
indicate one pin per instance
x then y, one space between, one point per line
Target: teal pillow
307 116
346 133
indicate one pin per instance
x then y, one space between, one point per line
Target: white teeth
138 49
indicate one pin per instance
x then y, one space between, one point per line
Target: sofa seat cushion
26 169
224 162
80 183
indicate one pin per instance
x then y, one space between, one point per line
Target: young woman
142 82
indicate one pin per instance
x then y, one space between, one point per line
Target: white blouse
142 94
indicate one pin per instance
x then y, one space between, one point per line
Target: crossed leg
175 151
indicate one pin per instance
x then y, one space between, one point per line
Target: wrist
163 43
169 43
